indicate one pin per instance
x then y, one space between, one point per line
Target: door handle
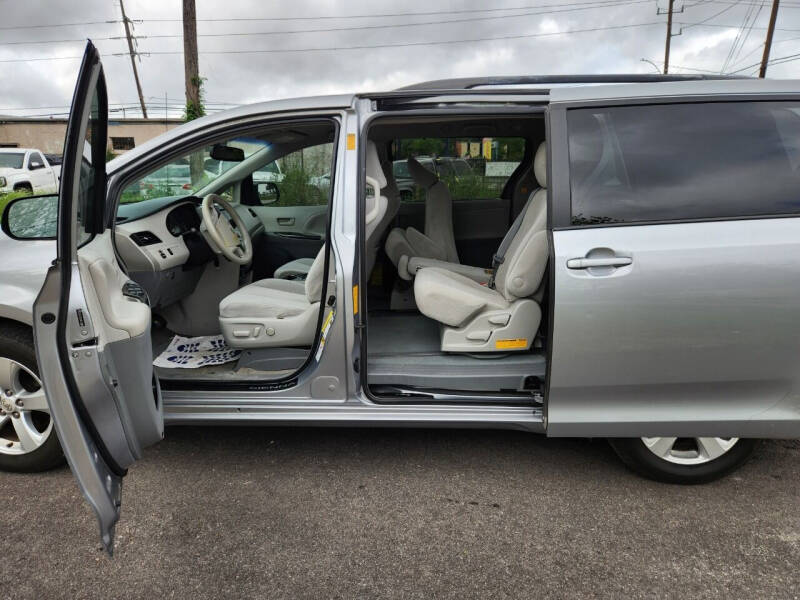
588 263
286 221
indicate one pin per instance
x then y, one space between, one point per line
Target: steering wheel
232 241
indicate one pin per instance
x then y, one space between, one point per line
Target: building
48 134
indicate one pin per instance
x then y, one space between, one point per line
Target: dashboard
155 242
170 235
183 219
161 249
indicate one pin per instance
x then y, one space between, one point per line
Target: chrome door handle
587 263
286 221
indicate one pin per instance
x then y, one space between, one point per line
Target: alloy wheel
689 451
25 422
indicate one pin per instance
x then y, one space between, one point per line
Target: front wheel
683 460
27 441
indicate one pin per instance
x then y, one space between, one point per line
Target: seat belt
500 256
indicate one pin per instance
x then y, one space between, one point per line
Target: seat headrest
540 165
421 176
374 168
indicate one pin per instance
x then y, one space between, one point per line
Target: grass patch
6 198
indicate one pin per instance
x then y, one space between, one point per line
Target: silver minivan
621 261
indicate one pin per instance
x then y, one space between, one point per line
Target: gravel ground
345 513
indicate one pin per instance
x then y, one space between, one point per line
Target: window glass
303 177
36 158
122 143
88 201
684 161
11 160
472 168
190 172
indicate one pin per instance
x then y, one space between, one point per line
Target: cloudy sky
504 37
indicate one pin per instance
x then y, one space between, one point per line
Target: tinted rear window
684 161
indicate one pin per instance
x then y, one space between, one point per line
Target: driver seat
282 312
273 312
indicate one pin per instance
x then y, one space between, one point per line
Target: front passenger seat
281 312
386 207
502 316
438 241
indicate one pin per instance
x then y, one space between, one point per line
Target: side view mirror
31 218
268 193
34 165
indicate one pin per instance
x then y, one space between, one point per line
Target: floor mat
196 352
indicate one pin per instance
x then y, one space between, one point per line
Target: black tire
16 343
638 458
27 187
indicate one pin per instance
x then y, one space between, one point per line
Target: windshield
11 160
189 173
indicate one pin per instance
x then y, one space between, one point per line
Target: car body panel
313 403
698 335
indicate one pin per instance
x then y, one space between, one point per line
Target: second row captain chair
500 316
438 242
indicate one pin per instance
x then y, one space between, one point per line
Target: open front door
92 324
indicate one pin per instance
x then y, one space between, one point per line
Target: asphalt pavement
227 512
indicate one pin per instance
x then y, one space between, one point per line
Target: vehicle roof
580 93
18 150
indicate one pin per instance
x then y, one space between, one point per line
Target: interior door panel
92 325
290 232
306 220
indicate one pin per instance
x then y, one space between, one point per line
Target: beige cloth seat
281 312
502 317
438 241
294 269
298 268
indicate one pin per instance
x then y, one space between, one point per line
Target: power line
714 16
81 24
365 46
774 61
413 14
410 44
589 6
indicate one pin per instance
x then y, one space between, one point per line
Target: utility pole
190 63
768 43
191 70
127 24
669 37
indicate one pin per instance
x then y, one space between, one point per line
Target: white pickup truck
27 169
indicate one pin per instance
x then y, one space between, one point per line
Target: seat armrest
408 267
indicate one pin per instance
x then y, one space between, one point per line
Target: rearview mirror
268 193
35 164
227 153
31 218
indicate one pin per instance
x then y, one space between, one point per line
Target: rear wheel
27 441
683 460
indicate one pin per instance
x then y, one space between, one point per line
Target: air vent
253 213
145 238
